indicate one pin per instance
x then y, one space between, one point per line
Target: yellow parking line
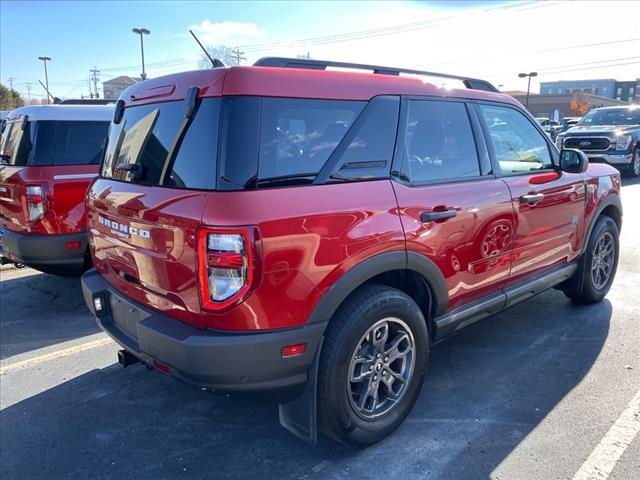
30 362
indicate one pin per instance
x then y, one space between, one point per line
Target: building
546 105
627 91
113 88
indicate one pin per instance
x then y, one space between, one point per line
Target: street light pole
46 75
141 32
530 74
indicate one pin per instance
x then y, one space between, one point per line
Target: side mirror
573 161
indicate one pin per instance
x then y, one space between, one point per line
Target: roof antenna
55 99
214 61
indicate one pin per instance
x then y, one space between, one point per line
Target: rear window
16 143
69 142
153 139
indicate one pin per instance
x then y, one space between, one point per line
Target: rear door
143 218
453 209
548 205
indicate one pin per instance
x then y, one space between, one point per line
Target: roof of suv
295 83
64 112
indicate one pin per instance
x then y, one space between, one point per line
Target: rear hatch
144 211
45 169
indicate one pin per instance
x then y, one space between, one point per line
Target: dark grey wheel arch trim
376 265
609 200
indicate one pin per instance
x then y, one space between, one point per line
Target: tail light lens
226 266
35 202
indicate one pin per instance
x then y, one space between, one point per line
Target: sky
494 40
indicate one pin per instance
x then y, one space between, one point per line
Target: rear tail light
226 266
35 202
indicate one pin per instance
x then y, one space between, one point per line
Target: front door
548 204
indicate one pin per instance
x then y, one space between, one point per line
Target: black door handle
426 217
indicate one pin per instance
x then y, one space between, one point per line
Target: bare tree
221 52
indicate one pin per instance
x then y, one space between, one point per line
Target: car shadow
628 181
487 388
41 310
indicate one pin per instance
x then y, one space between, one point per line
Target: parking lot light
142 32
530 74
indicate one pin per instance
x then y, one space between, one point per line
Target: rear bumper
247 364
47 253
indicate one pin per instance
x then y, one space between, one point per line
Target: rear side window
270 142
439 142
298 136
69 142
151 138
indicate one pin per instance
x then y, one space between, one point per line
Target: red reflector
294 350
225 260
161 367
70 245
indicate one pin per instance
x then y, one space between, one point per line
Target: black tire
337 411
591 291
633 170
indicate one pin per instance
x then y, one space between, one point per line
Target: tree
580 103
220 52
9 98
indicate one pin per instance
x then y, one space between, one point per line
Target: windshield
619 116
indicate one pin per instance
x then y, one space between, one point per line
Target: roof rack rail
282 62
85 101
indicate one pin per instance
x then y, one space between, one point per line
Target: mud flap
300 415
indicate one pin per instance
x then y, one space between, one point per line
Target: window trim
398 156
553 151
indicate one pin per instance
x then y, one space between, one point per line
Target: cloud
225 32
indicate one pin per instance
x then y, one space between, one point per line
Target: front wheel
634 167
372 365
600 262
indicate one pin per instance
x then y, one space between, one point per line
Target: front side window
519 147
439 142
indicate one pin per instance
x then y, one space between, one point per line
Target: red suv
49 154
289 231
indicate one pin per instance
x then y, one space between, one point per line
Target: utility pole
94 76
11 79
46 75
238 55
28 85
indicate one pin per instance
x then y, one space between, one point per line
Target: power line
10 80
28 85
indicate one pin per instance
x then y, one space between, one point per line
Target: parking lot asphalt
530 393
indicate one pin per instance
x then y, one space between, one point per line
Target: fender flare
609 200
373 266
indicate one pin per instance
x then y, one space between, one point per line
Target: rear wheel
600 262
372 365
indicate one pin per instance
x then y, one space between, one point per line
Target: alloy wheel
602 260
381 368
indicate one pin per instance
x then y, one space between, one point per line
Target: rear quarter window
69 142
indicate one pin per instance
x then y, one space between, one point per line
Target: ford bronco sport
48 157
302 232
